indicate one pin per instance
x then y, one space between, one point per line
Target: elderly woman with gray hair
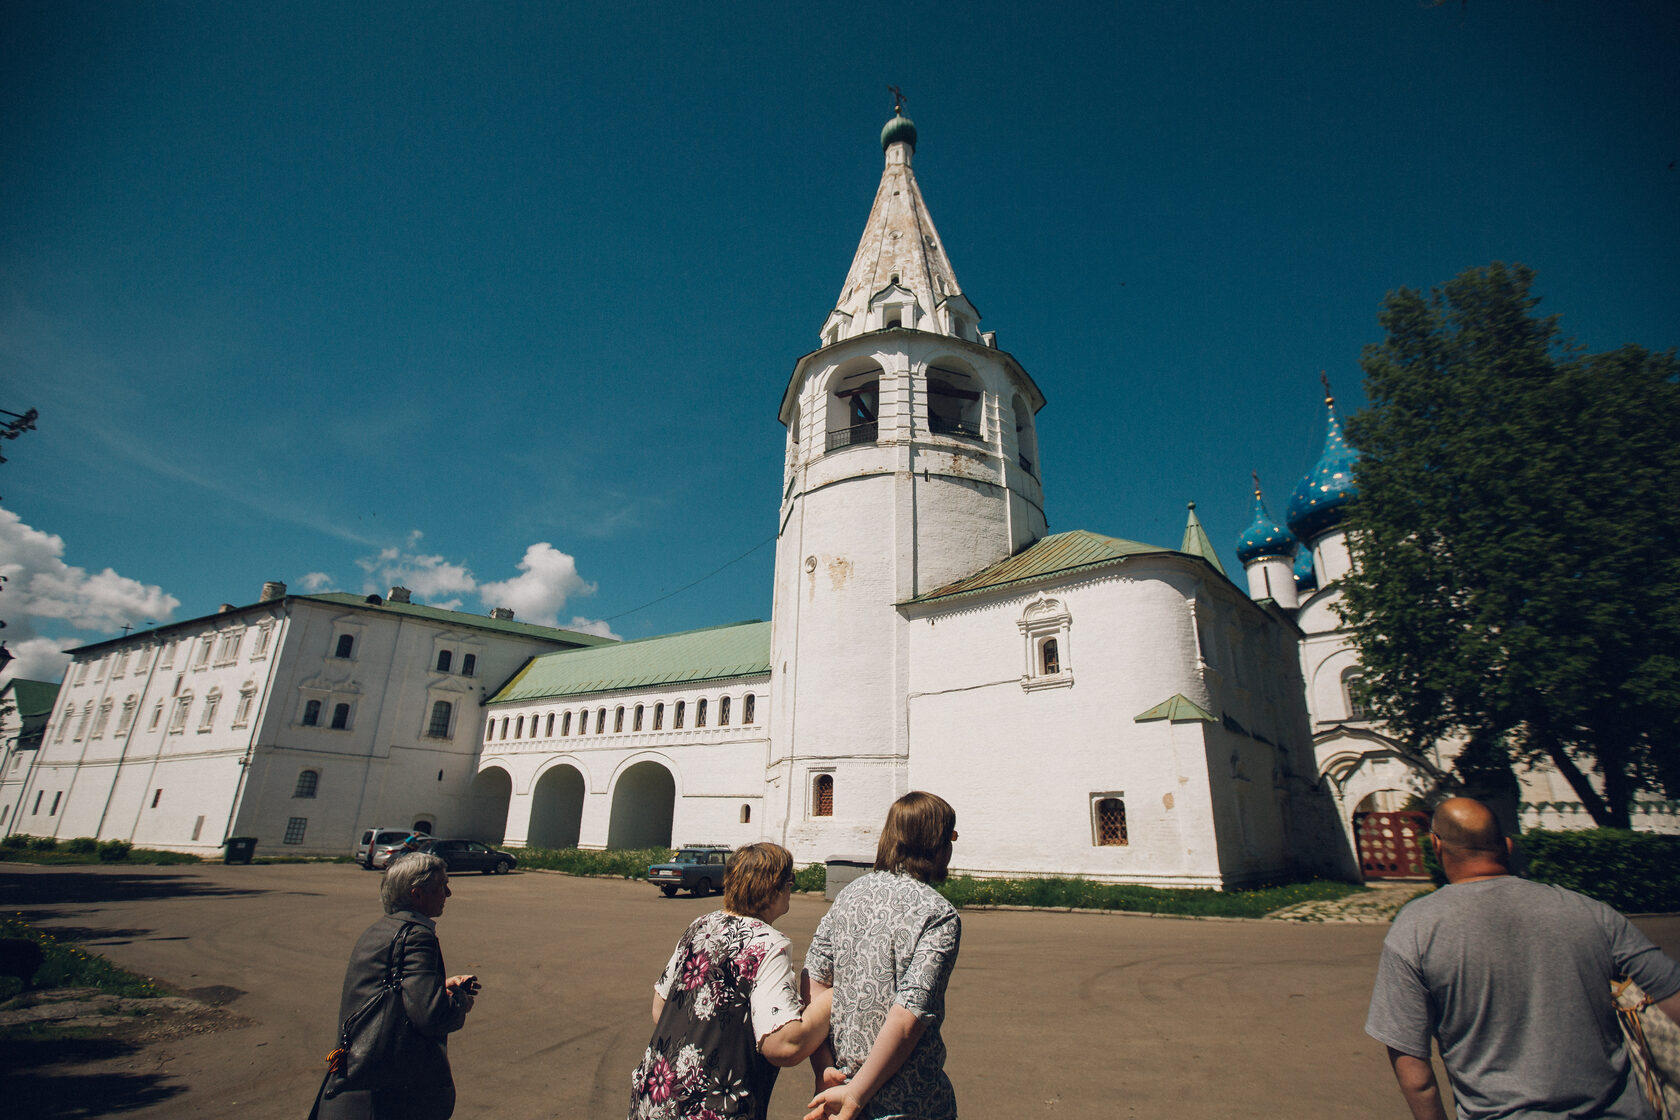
394 1063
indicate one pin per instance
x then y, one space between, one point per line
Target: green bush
1084 894
43 843
15 840
1636 872
627 863
81 844
812 878
114 851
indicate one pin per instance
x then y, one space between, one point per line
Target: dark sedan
470 855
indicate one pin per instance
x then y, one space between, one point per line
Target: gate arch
1389 838
557 808
643 803
492 789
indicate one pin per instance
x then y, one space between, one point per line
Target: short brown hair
917 837
756 873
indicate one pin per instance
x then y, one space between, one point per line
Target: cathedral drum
1391 844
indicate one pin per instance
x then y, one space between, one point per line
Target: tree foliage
1517 538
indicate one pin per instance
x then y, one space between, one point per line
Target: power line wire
696 583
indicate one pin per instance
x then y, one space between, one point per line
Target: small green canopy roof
1178 709
718 653
33 698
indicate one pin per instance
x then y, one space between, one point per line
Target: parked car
698 868
374 849
470 855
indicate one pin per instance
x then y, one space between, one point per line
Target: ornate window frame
1045 620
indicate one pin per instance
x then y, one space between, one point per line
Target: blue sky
499 299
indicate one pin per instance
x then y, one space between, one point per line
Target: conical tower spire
1196 541
900 275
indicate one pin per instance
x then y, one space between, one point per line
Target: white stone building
25 707
298 720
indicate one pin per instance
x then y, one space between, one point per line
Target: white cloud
547 578
593 626
316 581
43 595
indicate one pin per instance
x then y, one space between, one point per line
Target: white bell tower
911 463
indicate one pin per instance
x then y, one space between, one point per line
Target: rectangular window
168 661
121 666
104 718
469 664
242 711
157 795
157 715
38 795
203 659
208 719
178 721
264 633
81 672
294 829
103 665
441 711
57 797
126 720
198 828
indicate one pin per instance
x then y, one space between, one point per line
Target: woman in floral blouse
727 1008
886 949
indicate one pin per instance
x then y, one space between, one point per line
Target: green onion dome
900 128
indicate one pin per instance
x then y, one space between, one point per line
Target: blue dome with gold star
1306 579
1322 497
1264 537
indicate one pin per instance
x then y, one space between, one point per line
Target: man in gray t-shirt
1513 979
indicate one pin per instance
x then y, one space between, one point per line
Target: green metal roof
1058 554
1177 709
717 653
33 698
460 618
1196 542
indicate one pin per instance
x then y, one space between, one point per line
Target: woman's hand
463 989
837 1101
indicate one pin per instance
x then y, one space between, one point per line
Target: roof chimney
272 590
398 595
224 608
502 614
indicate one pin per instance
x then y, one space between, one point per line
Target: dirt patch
87 1013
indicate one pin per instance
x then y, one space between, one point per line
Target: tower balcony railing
945 426
856 434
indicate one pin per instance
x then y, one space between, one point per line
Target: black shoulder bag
378 1047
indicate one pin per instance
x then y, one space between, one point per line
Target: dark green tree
1516 539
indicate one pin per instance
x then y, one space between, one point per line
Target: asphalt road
1050 1014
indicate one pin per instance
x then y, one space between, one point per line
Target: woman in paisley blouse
886 948
727 1008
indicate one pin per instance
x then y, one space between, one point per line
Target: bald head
1468 831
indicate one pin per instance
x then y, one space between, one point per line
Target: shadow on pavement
91 934
61 1096
50 887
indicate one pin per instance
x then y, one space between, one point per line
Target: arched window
469 664
600 721
700 712
636 725
518 726
312 713
1050 661
953 404
677 716
504 727
442 710
1026 444
822 796
618 719
346 645
1353 681
341 717
746 814
548 726
723 711
565 723
308 781
445 657
658 717
583 721
534 722
748 704
855 407
1110 822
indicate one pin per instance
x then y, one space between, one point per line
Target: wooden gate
1391 844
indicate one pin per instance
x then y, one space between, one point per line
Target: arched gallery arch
556 808
644 800
492 789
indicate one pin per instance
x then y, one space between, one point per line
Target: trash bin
842 870
240 849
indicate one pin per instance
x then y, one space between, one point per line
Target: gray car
698 868
470 855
